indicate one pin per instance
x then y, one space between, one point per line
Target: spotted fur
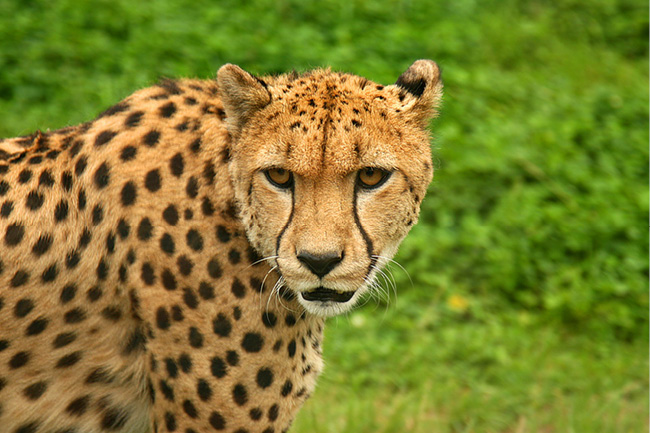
153 279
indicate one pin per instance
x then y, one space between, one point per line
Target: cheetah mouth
321 294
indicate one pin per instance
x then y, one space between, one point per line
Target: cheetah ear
419 90
242 95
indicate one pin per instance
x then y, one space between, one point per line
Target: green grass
528 308
434 369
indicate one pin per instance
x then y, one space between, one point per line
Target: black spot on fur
218 367
136 342
76 315
133 119
291 348
37 326
34 200
68 293
114 419
203 390
194 240
23 307
66 180
144 229
6 209
238 289
24 176
78 406
45 179
255 414
252 342
185 362
167 110
49 274
286 388
20 278
170 86
168 280
214 269
206 290
123 229
94 294
61 211
98 214
269 319
192 188
206 207
190 409
195 147
99 375
185 265
217 421
221 325
35 390
240 394
69 360
80 165
64 339
147 274
190 298
128 194
115 109
264 377
128 153
162 318
232 358
177 165
152 180
170 215
104 137
30 427
167 244
195 338
151 138
102 176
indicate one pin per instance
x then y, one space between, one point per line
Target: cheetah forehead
327 122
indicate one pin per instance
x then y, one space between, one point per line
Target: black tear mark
293 202
364 234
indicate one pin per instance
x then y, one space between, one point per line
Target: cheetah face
329 171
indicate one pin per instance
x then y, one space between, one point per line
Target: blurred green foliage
540 200
536 224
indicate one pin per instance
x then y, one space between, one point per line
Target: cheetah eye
370 177
279 177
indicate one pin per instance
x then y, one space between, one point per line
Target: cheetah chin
326 302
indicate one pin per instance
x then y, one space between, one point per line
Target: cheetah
168 266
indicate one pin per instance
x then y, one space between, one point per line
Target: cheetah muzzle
167 267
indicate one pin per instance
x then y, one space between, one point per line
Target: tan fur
130 297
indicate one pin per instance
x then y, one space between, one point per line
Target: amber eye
370 177
279 177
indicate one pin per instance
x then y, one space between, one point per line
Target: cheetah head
329 171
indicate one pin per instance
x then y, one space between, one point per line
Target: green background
526 309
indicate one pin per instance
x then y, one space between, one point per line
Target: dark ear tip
420 75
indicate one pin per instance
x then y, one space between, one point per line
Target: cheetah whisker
384 291
263 282
391 261
275 293
269 258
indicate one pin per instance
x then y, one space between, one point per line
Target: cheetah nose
320 264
